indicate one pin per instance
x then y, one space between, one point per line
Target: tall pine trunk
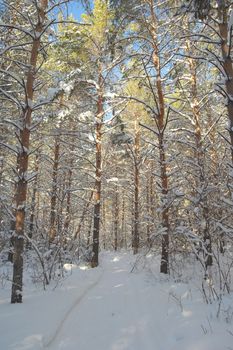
33 202
200 159
53 200
135 239
98 171
226 44
116 218
161 126
22 162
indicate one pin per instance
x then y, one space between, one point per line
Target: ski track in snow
47 344
114 314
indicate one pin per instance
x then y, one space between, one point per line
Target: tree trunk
53 200
22 163
61 194
149 201
98 172
200 158
116 218
104 222
161 125
227 63
89 232
135 242
33 202
123 224
165 209
68 200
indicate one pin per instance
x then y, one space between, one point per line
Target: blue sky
76 8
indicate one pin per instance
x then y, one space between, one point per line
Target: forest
116 137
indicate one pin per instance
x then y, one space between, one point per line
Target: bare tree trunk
149 201
89 231
200 158
33 202
98 172
226 45
104 222
215 160
68 185
116 218
11 249
165 215
22 163
135 241
123 224
12 229
161 125
61 194
1 167
53 200
68 200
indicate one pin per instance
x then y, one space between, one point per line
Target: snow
52 92
112 308
110 95
113 179
67 87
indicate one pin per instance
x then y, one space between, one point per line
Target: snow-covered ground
110 308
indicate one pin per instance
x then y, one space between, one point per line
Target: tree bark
123 224
226 46
33 203
53 200
22 163
68 200
200 158
149 200
135 241
98 171
116 218
160 123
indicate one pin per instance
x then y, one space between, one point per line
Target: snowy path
73 307
116 314
109 308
